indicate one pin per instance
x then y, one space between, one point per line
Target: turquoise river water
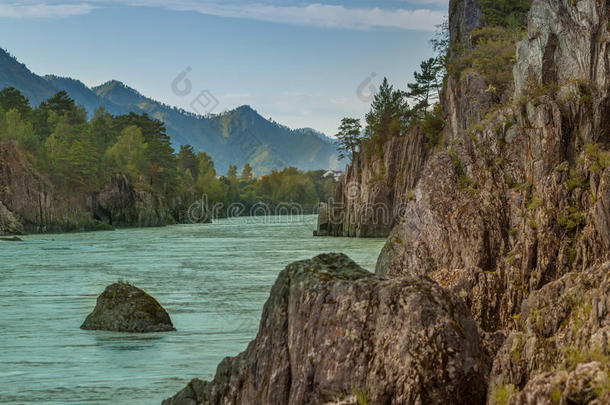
212 279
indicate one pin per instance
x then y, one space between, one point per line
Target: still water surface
212 279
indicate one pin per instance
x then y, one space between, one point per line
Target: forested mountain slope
236 137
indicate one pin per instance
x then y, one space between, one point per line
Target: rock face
580 385
30 204
125 308
562 326
323 221
369 201
119 204
9 224
520 199
331 329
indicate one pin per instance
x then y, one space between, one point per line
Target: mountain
15 74
236 137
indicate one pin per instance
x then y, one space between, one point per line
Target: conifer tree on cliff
348 138
426 89
384 119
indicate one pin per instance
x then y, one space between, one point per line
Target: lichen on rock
125 308
330 329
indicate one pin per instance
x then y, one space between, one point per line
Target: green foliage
246 173
80 156
128 155
232 172
501 394
385 118
12 99
187 160
599 156
348 138
577 180
427 86
573 220
505 13
493 56
433 125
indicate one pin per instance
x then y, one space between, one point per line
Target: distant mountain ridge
235 137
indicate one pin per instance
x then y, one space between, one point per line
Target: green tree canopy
11 98
246 173
188 160
384 119
349 138
232 172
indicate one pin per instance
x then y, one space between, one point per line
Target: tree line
394 111
78 155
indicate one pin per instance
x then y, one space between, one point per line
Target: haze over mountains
236 137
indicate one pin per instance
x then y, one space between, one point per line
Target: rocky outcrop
29 203
560 327
323 221
9 224
519 199
464 17
331 329
582 385
125 308
11 239
369 200
120 204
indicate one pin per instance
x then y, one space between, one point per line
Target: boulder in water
11 239
330 329
125 308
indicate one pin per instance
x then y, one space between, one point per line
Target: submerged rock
125 308
12 239
331 330
323 221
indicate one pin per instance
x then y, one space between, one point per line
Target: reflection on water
212 279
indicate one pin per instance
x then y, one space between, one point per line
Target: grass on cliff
502 393
505 13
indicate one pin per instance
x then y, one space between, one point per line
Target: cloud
321 15
313 14
43 10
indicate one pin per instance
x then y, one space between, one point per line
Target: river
213 279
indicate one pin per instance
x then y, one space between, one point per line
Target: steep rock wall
520 198
368 202
29 203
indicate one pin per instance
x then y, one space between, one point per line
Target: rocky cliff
510 219
332 330
515 210
368 202
29 203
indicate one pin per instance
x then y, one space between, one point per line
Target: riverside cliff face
331 330
369 200
510 218
30 204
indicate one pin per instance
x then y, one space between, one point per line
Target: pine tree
426 89
384 119
349 138
187 160
11 98
246 173
232 172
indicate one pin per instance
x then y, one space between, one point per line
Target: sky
301 63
